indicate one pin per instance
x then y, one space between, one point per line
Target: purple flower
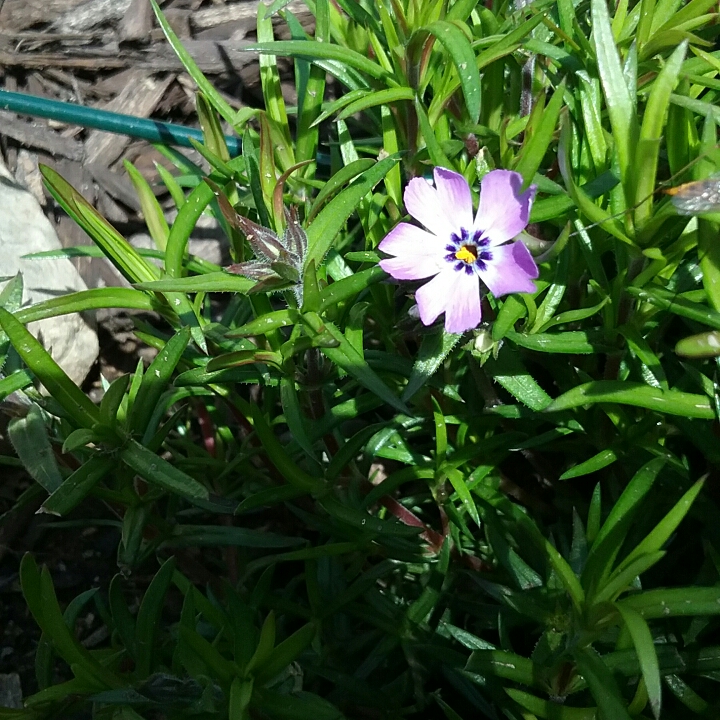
458 253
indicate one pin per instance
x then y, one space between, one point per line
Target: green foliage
517 522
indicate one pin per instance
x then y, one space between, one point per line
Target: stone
10 691
24 229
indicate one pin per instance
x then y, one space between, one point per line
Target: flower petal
455 198
432 297
412 267
512 269
454 293
463 311
423 203
406 239
503 211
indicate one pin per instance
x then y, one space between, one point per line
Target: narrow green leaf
244 357
513 308
346 357
579 195
434 349
213 136
76 487
678 305
674 602
708 228
294 416
221 668
155 381
373 99
313 50
147 624
192 263
675 15
160 472
602 684
593 464
123 620
117 249
269 497
152 212
391 146
509 372
621 580
533 151
645 648
11 296
73 400
285 653
113 397
330 220
506 45
506 665
549 709
251 154
619 103
89 300
241 690
458 482
29 437
554 295
343 101
340 178
184 224
651 133
310 107
574 316
348 287
609 539
212 282
589 93
645 22
631 498
671 402
686 695
458 47
279 457
266 323
40 596
665 528
265 645
17 381
435 151
221 535
174 188
593 520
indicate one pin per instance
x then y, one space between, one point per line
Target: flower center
467 253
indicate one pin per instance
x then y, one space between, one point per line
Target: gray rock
10 691
24 229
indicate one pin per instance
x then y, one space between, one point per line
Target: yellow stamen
467 253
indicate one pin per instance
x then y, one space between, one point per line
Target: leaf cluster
395 521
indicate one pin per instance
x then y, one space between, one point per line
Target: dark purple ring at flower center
467 251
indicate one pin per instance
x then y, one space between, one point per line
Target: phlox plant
442 439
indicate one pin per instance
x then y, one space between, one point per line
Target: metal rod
152 130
